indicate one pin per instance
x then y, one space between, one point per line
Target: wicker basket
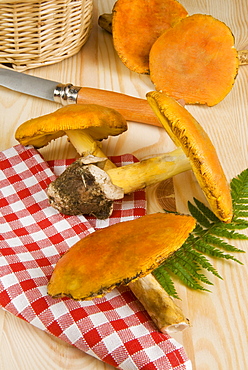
35 33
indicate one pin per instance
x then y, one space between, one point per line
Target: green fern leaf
241 213
187 278
211 239
206 211
208 249
237 225
204 262
165 279
189 263
192 266
199 216
199 230
241 206
229 234
242 201
239 188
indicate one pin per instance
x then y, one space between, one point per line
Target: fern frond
211 239
187 278
241 206
199 230
242 201
241 213
229 234
189 262
239 225
165 279
211 251
204 262
199 216
192 266
206 211
239 192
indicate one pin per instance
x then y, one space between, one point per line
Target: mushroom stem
164 312
136 175
149 171
86 145
243 57
105 22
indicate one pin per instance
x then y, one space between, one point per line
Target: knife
133 109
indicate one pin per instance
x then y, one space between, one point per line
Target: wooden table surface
217 338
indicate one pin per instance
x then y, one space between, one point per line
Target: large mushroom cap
188 134
97 121
118 254
195 60
137 24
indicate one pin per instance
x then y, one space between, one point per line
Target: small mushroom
120 254
84 124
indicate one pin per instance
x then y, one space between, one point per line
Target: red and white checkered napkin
114 329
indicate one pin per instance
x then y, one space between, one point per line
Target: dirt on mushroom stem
84 188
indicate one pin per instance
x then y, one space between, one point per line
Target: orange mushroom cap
136 24
95 120
195 60
118 254
188 134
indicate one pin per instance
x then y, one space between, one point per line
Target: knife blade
132 108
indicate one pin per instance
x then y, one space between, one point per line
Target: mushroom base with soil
84 188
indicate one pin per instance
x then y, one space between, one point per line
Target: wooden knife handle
133 109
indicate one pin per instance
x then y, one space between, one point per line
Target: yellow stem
149 171
86 145
137 175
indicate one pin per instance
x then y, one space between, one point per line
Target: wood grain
218 336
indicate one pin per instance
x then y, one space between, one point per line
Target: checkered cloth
115 328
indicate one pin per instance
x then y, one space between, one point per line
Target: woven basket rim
46 38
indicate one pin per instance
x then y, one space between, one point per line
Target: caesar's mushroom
120 254
189 135
84 124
